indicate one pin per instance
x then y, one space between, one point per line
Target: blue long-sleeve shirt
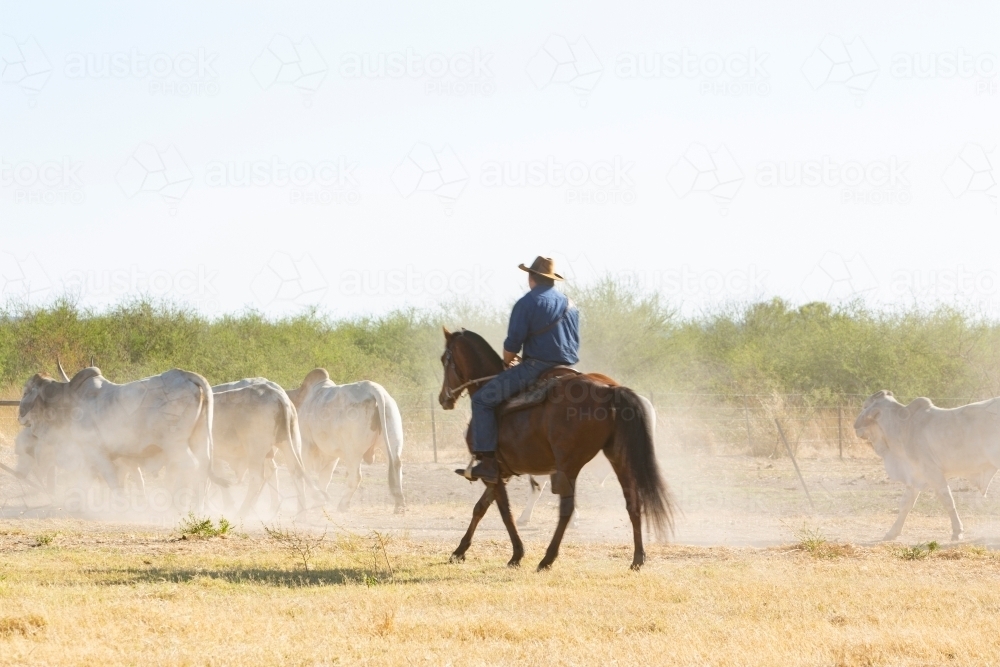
533 312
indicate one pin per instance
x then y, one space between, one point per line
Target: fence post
746 416
434 435
794 463
840 434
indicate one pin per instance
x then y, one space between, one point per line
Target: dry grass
113 597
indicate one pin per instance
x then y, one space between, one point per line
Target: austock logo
560 62
149 170
873 182
289 282
949 65
50 182
836 62
425 170
974 172
731 74
24 64
285 62
410 281
183 74
23 277
835 278
599 182
193 286
455 74
322 182
701 170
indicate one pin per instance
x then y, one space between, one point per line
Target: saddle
536 393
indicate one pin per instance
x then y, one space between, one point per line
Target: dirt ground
721 501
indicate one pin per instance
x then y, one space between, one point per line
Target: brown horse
580 416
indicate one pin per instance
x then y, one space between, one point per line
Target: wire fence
695 423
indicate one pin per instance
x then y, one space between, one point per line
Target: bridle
449 363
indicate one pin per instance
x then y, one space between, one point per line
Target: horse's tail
392 435
633 447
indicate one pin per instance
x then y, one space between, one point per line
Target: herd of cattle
179 424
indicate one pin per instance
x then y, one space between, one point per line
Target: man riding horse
546 325
554 430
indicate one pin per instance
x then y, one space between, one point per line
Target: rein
453 394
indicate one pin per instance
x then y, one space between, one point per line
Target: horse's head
467 357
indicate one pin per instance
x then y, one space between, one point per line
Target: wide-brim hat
542 266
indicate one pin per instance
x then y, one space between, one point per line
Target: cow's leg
536 493
326 474
944 495
503 504
906 503
353 481
564 485
478 512
258 477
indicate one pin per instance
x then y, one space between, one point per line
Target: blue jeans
485 431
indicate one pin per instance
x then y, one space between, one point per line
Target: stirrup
467 473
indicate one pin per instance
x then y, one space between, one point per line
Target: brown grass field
116 595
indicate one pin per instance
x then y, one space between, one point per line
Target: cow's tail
632 450
202 445
290 437
392 436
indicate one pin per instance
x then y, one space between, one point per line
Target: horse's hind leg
503 504
564 486
631 506
536 492
478 512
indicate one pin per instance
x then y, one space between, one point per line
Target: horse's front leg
503 504
478 512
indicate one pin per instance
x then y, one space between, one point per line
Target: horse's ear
447 334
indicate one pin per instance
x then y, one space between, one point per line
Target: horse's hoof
521 523
457 558
544 566
400 509
635 567
514 563
955 537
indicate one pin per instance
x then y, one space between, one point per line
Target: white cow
536 488
254 420
923 446
347 422
161 420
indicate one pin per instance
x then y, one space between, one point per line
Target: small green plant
919 551
302 545
195 526
45 539
811 540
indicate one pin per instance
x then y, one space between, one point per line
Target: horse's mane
483 345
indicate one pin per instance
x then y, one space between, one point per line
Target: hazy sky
364 156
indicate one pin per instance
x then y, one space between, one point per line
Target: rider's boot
486 469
